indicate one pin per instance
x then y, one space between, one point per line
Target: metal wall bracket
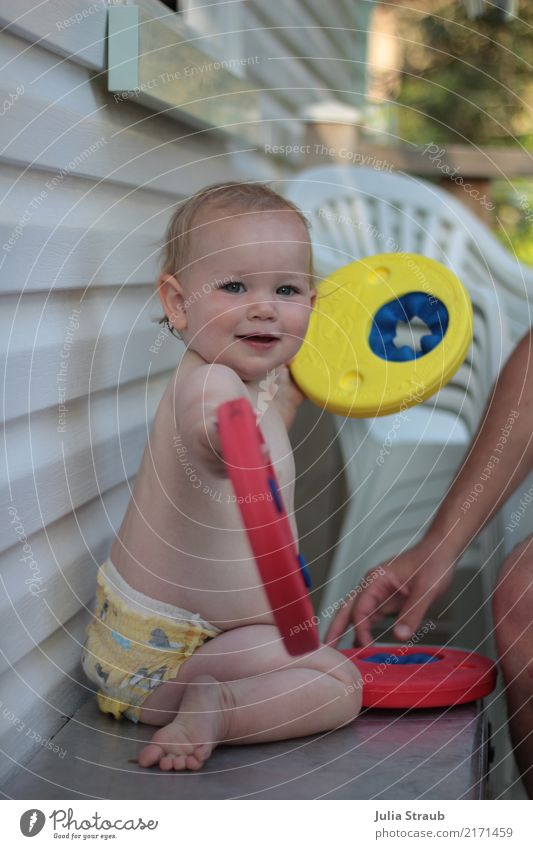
152 63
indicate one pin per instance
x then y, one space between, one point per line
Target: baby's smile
260 341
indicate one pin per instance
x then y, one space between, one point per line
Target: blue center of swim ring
413 305
420 657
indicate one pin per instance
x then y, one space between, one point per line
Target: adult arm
498 460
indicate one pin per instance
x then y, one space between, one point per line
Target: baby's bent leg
243 687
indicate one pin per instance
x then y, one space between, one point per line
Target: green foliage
466 81
514 217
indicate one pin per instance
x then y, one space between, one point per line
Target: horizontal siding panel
303 30
63 580
40 692
275 44
55 24
64 257
298 83
68 120
89 241
347 22
48 474
77 233
117 341
318 34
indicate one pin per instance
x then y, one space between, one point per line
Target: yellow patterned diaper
136 643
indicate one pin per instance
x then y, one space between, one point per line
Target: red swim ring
424 677
266 522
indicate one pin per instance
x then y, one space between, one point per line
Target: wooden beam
431 160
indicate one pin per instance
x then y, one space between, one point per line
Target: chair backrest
355 212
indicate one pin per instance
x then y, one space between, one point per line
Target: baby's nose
262 309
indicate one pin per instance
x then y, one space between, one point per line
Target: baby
237 286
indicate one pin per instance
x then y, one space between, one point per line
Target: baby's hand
288 397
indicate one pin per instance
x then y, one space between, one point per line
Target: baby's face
247 290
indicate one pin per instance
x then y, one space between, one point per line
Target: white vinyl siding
87 186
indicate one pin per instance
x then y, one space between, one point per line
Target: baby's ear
170 293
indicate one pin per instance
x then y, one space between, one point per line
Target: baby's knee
335 664
349 676
354 693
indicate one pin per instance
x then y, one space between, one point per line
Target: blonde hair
235 195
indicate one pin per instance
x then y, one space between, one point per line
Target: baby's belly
213 574
218 575
195 554
231 594
223 583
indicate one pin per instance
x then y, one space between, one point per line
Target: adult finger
339 625
411 614
382 596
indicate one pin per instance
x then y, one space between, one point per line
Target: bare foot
187 742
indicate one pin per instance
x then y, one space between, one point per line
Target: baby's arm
196 403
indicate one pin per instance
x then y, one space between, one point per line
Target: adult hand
406 584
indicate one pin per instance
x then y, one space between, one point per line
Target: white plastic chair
356 212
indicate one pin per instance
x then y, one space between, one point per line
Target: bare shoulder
209 381
196 390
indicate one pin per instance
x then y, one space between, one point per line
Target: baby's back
182 539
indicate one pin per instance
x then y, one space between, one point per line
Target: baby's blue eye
288 290
232 286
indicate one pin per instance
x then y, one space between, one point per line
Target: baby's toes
166 763
150 755
198 757
180 762
193 763
202 752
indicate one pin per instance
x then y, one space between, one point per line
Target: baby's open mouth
259 337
